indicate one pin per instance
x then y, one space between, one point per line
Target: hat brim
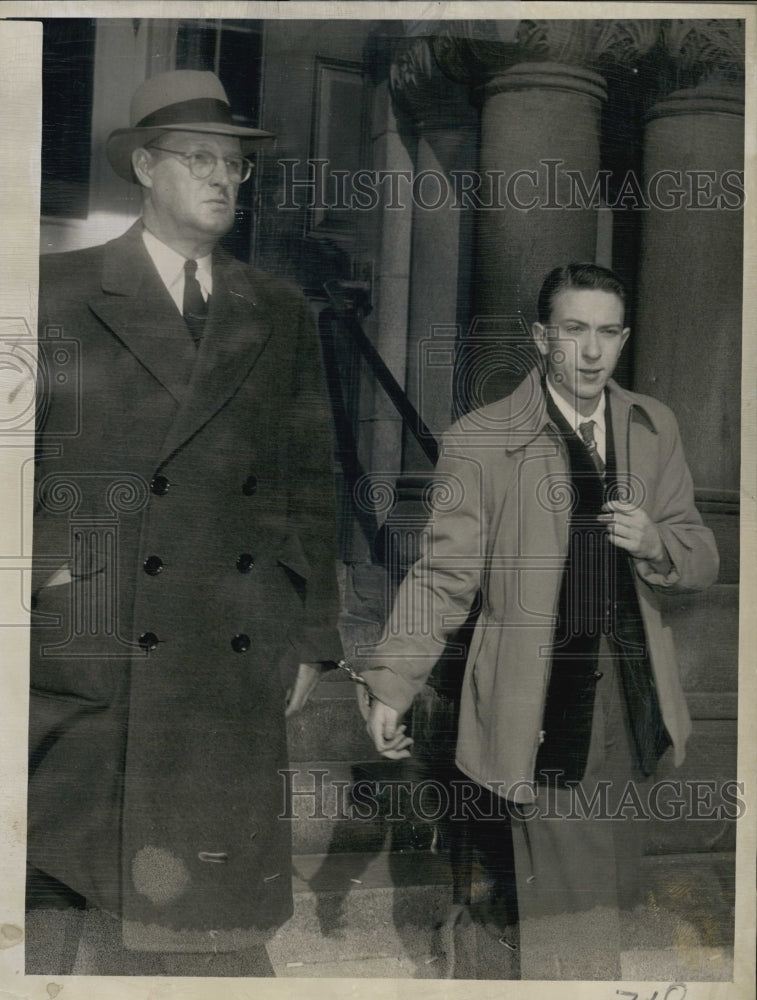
122 143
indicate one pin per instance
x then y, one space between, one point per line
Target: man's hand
381 723
632 529
305 683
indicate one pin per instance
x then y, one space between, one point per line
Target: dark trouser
576 870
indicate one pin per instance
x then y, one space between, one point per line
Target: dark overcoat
184 563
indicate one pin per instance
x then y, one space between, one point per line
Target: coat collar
119 280
136 306
524 413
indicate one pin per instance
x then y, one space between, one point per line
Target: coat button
159 485
148 641
152 565
245 562
250 485
240 643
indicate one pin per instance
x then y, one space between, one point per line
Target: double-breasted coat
184 564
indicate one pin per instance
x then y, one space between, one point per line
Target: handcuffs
358 679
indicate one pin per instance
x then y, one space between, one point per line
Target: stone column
687 341
380 424
687 352
540 95
441 128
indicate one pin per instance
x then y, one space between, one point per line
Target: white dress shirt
574 418
170 266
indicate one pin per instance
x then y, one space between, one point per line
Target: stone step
377 915
726 528
364 915
330 726
713 705
695 810
706 631
702 792
325 818
383 915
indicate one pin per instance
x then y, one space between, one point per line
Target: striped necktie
195 308
586 430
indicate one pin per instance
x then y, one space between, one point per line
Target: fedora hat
185 100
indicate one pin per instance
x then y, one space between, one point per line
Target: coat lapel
636 464
135 305
236 331
524 414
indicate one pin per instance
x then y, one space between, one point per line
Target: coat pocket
291 557
66 660
482 664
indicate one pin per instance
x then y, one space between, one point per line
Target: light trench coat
499 525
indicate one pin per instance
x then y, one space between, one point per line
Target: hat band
201 109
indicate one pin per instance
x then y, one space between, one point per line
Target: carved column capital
468 51
592 44
707 58
624 43
476 53
706 50
419 88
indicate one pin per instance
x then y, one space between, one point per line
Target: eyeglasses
202 164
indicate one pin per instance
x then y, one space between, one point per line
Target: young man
573 514
184 558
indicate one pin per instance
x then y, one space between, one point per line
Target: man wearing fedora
184 594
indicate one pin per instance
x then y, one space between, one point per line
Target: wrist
655 549
661 560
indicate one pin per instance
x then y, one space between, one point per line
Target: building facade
425 178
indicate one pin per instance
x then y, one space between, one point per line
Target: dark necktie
195 307
586 430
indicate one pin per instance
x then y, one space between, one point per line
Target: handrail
347 453
410 416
